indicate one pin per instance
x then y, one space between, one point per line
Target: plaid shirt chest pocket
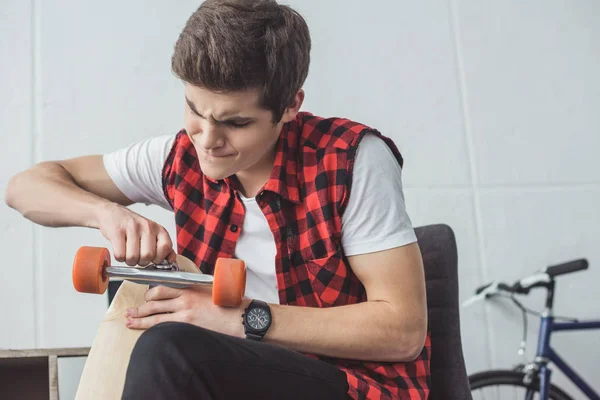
318 259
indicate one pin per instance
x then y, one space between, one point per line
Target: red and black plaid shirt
303 201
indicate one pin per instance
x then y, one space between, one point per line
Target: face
232 133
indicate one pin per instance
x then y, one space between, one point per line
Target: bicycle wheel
505 384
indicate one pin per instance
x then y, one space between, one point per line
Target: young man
335 302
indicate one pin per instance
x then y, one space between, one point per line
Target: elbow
410 348
10 194
414 347
20 184
408 342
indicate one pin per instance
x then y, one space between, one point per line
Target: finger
149 322
172 256
162 293
118 244
164 247
132 257
152 308
147 248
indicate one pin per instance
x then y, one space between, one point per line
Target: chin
215 173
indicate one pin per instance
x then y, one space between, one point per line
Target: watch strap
253 336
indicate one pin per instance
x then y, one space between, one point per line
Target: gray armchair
449 379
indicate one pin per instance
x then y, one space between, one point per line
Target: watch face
258 319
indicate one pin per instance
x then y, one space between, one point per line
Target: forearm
47 195
371 330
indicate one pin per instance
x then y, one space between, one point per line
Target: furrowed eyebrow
192 107
234 119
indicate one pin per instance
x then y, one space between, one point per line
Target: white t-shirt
375 218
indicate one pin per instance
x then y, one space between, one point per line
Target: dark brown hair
235 45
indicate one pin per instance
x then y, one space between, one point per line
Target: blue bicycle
532 381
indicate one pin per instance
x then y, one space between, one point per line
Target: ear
293 109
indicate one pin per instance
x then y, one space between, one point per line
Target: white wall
493 104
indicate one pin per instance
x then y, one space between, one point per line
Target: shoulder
331 133
136 168
373 149
180 143
181 154
340 136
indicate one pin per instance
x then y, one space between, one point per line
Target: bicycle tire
511 378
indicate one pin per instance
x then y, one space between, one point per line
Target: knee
160 334
158 361
170 342
163 341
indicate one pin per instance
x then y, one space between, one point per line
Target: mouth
217 156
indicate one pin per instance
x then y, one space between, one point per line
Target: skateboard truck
158 274
164 266
92 271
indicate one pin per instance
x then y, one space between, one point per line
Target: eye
194 113
238 125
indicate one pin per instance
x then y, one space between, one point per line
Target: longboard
103 375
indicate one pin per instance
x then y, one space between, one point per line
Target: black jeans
182 361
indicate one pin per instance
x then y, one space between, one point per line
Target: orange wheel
89 269
229 282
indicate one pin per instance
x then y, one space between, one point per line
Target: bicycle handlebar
502 286
482 288
568 267
542 278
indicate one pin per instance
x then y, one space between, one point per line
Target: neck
253 179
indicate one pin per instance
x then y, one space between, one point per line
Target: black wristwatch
256 319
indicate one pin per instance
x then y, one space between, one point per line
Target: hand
135 240
191 305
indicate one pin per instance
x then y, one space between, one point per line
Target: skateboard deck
103 375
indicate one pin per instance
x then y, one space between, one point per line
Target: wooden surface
103 376
63 352
33 373
53 377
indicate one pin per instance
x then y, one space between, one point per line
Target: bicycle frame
545 353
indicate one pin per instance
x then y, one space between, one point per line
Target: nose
210 137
